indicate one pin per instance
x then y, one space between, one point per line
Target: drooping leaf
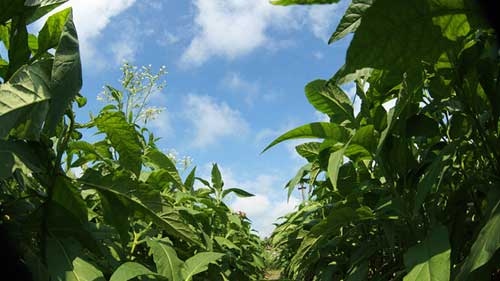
330 99
302 2
429 260
65 262
66 79
169 220
157 160
19 97
485 246
320 130
198 263
166 260
131 270
351 19
123 138
237 191
334 163
50 34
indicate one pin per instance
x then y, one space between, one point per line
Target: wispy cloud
249 90
212 120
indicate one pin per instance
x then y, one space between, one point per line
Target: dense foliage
407 188
114 208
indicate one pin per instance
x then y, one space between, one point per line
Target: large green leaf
351 19
131 270
334 163
217 182
50 34
429 260
302 2
198 263
123 138
20 154
66 79
298 177
158 160
169 220
166 260
19 96
70 198
309 150
19 51
320 130
330 99
377 42
485 246
65 262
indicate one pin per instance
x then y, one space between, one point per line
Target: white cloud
91 17
128 43
231 28
212 120
162 124
234 28
318 55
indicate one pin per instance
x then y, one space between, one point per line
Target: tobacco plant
408 187
115 208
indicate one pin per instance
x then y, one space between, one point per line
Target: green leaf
50 34
217 182
335 161
68 197
433 176
222 241
309 150
10 8
65 262
131 270
169 220
330 99
119 220
20 95
298 177
429 260
320 130
157 160
19 51
123 138
384 26
485 246
237 191
198 263
190 179
66 75
41 8
166 260
302 2
351 19
17 154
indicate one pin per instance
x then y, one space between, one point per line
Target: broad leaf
330 99
123 138
485 246
198 263
320 130
50 34
351 19
309 150
429 260
166 260
20 95
131 270
157 160
66 79
334 163
65 262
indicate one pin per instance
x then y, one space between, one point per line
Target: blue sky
236 74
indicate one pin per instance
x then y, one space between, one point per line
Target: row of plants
408 188
111 206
